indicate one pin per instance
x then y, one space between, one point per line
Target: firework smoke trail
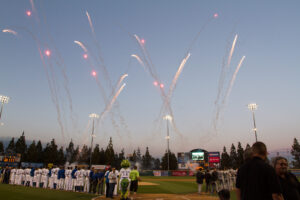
51 81
10 31
101 64
173 85
102 91
154 75
60 62
109 106
121 80
233 79
90 22
139 60
232 50
224 71
81 45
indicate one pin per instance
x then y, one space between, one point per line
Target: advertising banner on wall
214 157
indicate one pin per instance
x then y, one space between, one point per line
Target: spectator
134 177
107 182
199 179
224 194
214 179
112 182
207 180
288 181
100 182
256 179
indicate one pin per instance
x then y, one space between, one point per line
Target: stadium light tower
93 116
168 118
253 107
3 100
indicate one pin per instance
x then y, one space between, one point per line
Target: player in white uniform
27 177
68 180
44 178
55 180
86 180
51 179
19 176
12 177
37 177
79 174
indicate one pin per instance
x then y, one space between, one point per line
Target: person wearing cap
199 179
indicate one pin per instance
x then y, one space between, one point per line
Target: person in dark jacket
289 183
199 179
207 180
214 179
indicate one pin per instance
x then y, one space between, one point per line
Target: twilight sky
52 96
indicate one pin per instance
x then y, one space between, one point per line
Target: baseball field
163 188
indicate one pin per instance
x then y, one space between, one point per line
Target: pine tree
61 159
11 146
50 153
110 153
96 155
138 155
225 159
156 164
119 159
70 151
39 150
296 154
1 147
21 147
147 160
247 146
172 161
84 156
233 157
32 155
133 157
240 155
75 155
102 160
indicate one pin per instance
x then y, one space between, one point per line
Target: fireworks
10 31
216 15
85 56
48 52
28 13
94 73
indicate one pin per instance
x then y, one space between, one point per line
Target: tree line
235 158
51 153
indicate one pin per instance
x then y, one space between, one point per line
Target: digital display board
196 156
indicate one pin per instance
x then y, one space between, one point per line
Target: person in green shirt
134 177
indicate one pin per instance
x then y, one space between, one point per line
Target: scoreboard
10 159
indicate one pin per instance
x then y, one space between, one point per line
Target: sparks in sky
94 73
85 56
216 15
155 83
161 85
28 13
48 52
143 41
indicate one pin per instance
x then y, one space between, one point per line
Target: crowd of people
216 180
255 179
96 181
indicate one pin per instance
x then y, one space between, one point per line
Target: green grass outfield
12 192
186 185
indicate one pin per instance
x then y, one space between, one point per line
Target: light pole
253 107
3 100
168 118
93 116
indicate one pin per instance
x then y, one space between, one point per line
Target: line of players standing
217 180
55 178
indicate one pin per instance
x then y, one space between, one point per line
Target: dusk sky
51 96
